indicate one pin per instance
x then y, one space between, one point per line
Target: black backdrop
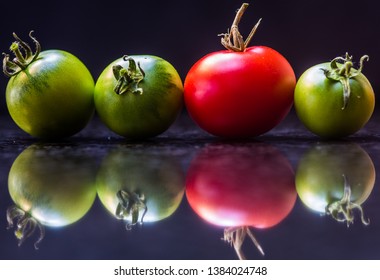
305 32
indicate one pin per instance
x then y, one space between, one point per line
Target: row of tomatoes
236 93
233 187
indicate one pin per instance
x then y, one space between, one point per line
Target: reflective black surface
88 194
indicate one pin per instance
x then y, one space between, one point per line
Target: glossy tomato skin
240 94
235 186
319 175
157 177
319 101
140 115
56 186
52 97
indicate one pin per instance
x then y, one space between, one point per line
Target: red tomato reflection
234 186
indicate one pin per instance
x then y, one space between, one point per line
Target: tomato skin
233 186
56 186
52 97
319 175
240 94
158 177
140 115
319 101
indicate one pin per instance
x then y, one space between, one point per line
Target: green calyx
128 79
342 70
25 225
23 55
342 210
130 205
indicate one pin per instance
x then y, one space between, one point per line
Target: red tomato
240 92
239 186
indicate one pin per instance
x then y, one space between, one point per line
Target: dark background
98 32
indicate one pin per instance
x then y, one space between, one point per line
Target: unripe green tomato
139 96
335 179
54 186
136 186
50 93
321 106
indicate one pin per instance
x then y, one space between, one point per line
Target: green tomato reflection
336 179
137 187
51 186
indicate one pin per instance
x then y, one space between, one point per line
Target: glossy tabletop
185 194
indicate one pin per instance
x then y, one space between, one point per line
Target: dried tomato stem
235 236
233 40
253 31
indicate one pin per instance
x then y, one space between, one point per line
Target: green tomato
50 93
139 96
335 179
54 185
50 186
334 100
136 186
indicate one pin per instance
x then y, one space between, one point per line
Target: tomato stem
342 210
21 60
233 40
25 226
128 79
130 204
343 72
235 236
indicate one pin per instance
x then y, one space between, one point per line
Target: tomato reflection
139 186
336 179
51 186
238 187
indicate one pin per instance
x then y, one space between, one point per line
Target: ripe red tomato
240 92
235 186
